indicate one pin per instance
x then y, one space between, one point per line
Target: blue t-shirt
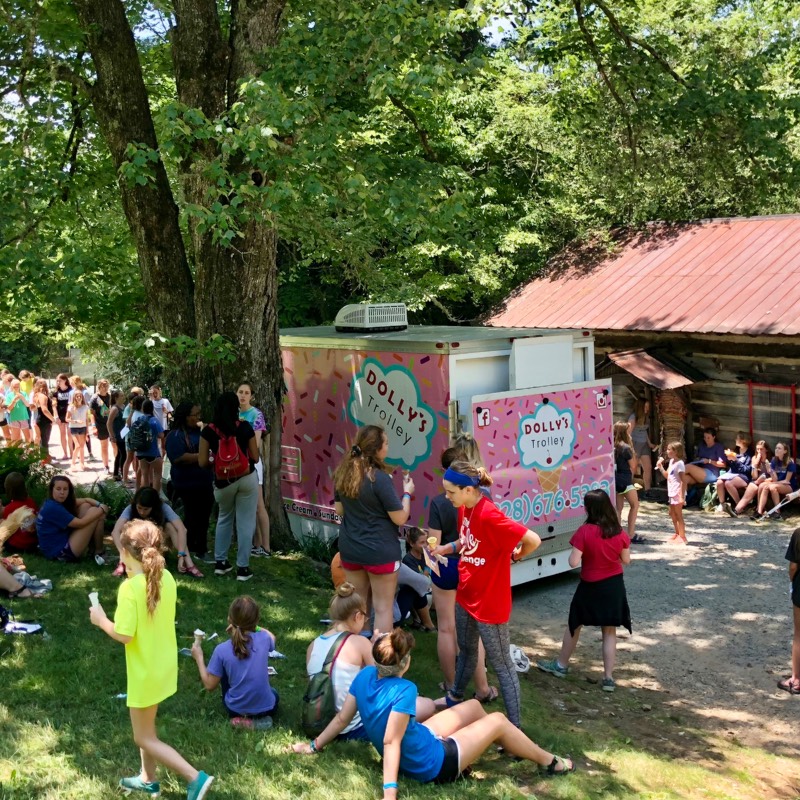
156 430
782 473
187 476
52 527
421 752
245 681
716 453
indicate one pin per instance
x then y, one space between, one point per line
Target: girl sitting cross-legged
242 666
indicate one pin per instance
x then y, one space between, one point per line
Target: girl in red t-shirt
488 541
601 547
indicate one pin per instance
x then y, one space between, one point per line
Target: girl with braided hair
145 623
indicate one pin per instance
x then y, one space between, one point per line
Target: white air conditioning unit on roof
372 317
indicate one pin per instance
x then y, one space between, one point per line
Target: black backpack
319 701
139 437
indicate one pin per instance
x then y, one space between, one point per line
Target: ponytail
392 652
243 616
143 540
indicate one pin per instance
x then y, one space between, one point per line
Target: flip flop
487 698
788 685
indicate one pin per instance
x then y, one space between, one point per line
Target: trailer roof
417 338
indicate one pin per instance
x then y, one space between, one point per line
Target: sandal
451 700
20 595
788 685
552 767
487 698
184 570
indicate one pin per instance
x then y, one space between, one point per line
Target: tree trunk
234 291
120 101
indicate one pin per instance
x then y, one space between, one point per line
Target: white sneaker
720 509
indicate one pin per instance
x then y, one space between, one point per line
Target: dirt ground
712 631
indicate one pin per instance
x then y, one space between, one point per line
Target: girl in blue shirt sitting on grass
436 751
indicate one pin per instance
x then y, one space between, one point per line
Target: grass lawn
63 733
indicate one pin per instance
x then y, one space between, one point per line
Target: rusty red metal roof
738 276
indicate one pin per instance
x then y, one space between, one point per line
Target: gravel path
712 624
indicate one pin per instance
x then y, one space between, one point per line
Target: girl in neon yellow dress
145 623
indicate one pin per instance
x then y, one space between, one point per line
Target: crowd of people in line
462 563
138 434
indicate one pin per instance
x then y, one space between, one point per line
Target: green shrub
27 459
112 494
19 458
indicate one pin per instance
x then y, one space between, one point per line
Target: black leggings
407 599
120 457
45 426
497 643
197 505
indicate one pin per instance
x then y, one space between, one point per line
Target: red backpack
230 461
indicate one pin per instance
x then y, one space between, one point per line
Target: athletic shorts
373 569
22 424
101 433
711 476
677 501
67 556
447 579
148 459
450 766
78 431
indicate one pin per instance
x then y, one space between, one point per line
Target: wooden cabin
702 317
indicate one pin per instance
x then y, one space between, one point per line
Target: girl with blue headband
488 542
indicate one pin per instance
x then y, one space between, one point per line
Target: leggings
120 457
497 643
198 502
45 426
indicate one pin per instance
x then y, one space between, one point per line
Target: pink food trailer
529 397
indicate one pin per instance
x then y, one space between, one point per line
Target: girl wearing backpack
242 665
145 623
347 611
233 445
150 460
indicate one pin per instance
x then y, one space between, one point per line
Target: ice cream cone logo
549 478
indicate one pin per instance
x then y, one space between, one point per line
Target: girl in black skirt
601 547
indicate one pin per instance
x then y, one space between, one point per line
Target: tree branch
408 113
598 60
62 72
632 41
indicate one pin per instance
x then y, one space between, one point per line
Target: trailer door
545 449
